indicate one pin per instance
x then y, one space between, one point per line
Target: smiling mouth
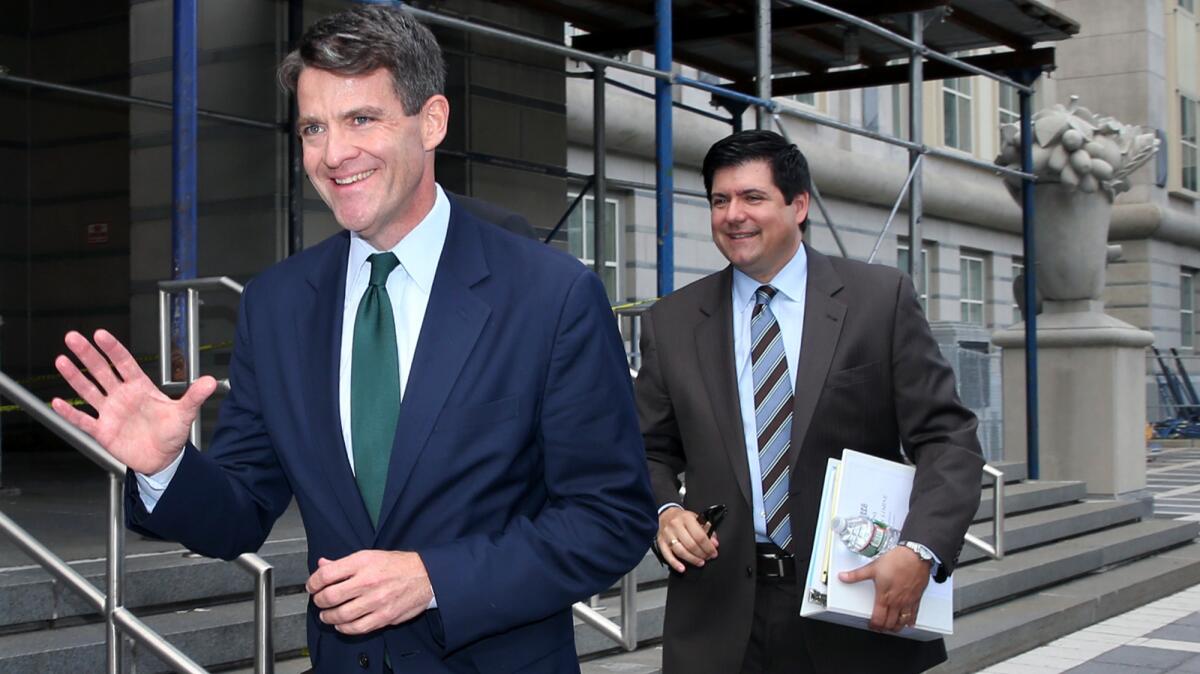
737 236
354 178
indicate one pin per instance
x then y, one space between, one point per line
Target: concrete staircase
1070 563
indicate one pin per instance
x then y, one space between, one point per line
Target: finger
667 549
368 623
198 392
687 549
83 422
694 536
347 612
879 614
121 359
81 384
858 575
97 366
910 616
892 622
329 574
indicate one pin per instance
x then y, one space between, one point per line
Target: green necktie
374 385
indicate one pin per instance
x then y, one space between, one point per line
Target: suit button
363 660
749 571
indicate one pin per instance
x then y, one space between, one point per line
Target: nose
734 212
338 147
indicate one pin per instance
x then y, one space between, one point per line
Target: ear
435 117
801 202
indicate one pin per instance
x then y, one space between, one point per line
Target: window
1018 268
899 100
1187 310
1187 142
1010 105
579 239
809 99
902 253
970 295
956 108
1189 5
870 109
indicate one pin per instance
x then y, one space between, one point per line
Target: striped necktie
772 414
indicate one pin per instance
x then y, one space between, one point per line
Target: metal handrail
624 634
264 587
117 618
995 549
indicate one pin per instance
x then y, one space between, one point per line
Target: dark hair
789 168
368 37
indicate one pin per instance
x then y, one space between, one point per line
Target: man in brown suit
751 379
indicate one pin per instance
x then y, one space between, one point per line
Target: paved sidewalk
1173 477
1160 637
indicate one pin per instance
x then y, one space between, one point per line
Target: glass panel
964 124
949 114
1189 5
609 276
1186 289
610 231
575 232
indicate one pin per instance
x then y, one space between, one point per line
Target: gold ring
674 541
905 616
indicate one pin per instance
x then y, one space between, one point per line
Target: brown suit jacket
870 378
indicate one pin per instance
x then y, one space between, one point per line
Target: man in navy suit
448 403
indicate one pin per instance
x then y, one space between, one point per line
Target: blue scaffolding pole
183 162
664 155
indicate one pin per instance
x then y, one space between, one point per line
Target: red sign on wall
97 233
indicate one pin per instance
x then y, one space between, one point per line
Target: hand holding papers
861 485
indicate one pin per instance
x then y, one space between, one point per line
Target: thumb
322 562
198 392
858 575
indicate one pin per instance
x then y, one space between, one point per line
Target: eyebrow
367 111
746 192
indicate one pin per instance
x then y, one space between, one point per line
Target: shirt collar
419 250
790 281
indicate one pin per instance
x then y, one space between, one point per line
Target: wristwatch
923 552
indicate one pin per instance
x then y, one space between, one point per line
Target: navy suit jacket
517 471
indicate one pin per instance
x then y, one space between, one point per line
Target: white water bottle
865 536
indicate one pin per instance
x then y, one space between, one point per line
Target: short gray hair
368 37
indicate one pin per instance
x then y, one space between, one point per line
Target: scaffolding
1018 70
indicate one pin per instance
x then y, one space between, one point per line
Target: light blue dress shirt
408 289
788 307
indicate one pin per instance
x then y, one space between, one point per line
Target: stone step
1044 526
1025 496
30 596
1014 471
210 636
1000 632
989 581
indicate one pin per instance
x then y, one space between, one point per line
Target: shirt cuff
432 601
665 506
151 487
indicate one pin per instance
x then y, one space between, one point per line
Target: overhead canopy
717 36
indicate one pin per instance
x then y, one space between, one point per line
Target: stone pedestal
1091 397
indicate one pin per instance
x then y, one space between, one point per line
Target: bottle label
878 539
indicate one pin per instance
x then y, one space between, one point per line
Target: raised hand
138 424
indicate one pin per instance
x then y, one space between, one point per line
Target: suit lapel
714 337
320 334
822 327
454 319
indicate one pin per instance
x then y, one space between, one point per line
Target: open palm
138 424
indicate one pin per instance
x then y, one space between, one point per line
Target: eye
360 120
718 202
311 129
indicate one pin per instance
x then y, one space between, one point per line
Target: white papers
861 484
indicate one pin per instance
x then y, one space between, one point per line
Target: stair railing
995 549
118 620
264 589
